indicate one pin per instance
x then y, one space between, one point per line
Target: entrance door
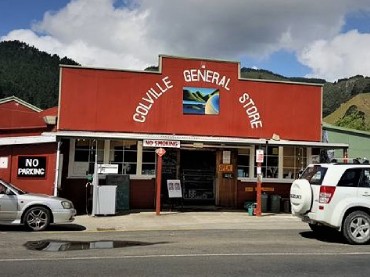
198 176
226 181
169 172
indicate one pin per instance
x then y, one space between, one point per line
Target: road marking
183 256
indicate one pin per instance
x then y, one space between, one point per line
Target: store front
208 119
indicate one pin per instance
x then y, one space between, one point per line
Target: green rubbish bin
247 204
275 203
264 198
251 209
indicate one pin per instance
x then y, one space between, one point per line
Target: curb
145 221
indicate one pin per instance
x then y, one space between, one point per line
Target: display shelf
198 184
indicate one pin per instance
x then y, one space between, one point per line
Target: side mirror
9 192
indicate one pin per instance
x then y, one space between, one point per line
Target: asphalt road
279 252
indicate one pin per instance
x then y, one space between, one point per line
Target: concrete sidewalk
193 220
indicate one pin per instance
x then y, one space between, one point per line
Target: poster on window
174 189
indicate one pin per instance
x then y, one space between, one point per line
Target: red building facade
209 120
27 158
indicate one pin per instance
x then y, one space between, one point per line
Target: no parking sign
259 156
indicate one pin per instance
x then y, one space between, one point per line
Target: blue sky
20 14
322 39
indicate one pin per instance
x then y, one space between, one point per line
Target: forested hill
30 74
334 94
33 76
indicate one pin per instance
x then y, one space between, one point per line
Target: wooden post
159 185
160 152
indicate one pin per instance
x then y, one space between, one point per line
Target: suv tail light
326 193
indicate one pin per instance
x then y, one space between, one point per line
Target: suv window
350 178
314 174
365 178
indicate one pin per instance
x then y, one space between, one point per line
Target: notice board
174 189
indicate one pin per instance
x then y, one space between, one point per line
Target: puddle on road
58 245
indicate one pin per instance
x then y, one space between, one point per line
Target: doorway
197 170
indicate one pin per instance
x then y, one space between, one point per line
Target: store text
148 100
208 76
251 110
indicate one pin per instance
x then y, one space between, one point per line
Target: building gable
188 97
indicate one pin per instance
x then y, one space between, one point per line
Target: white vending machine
106 200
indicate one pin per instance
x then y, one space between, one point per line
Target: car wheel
356 227
37 218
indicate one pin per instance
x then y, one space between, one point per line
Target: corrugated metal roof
20 101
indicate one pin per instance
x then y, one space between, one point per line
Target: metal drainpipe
57 165
95 181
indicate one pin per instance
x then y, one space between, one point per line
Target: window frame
79 169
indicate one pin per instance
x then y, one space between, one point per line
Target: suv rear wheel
356 227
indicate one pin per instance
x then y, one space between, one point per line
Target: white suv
336 196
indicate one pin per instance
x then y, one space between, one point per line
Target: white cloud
131 34
343 56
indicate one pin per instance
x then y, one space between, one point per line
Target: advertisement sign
174 189
225 168
31 166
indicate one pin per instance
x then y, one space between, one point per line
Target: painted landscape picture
201 101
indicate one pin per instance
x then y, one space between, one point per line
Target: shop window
243 162
129 155
294 161
84 153
270 164
124 153
148 162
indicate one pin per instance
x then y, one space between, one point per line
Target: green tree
30 74
353 119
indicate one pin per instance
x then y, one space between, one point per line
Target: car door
8 204
364 186
347 187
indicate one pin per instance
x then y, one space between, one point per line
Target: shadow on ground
53 228
329 236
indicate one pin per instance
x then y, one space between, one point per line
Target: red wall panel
106 100
30 184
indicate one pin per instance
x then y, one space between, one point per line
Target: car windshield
19 191
314 174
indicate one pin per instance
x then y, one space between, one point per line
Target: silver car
35 211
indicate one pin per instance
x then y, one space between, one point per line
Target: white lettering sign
31 172
143 108
208 76
251 110
161 143
31 166
32 162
